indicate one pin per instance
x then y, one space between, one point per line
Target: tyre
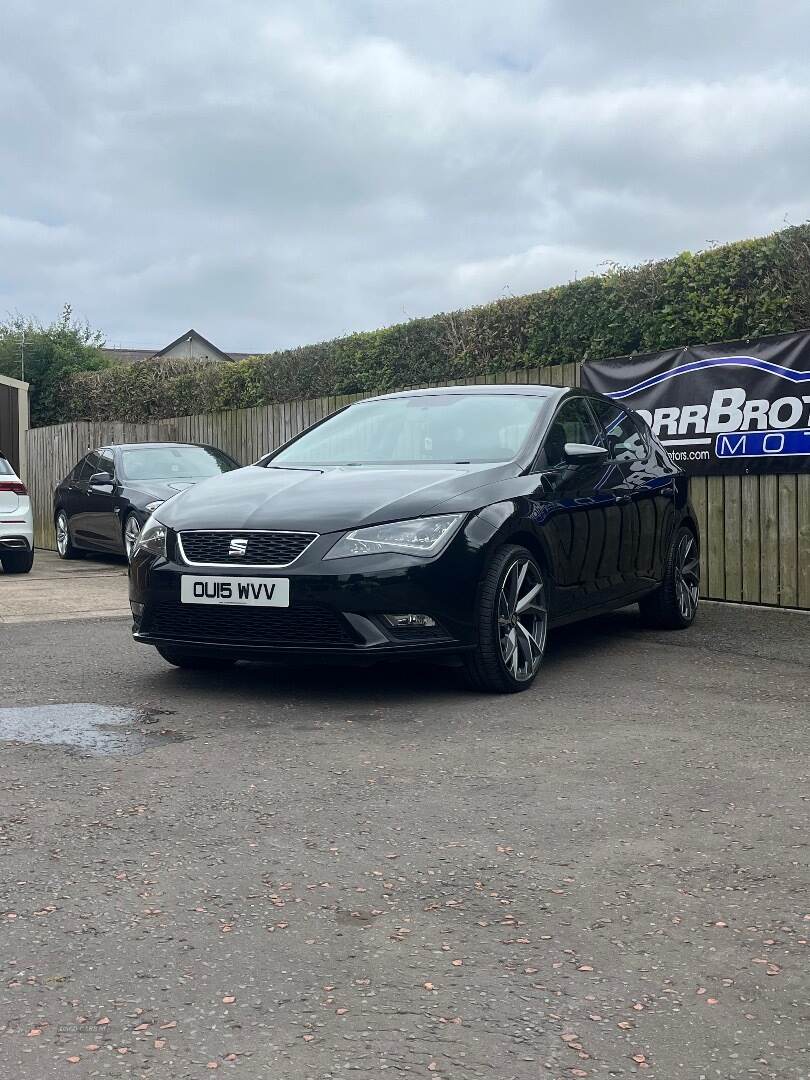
65 548
132 530
674 603
17 562
194 661
512 624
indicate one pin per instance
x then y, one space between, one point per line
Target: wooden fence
755 529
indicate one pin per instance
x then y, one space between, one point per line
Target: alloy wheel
61 534
132 530
522 619
687 576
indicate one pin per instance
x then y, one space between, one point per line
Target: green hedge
745 289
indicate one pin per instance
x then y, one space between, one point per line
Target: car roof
144 445
499 389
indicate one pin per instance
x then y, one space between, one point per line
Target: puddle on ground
102 730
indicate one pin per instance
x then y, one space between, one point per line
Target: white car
16 522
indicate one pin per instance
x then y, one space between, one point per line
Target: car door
581 518
73 498
103 529
645 491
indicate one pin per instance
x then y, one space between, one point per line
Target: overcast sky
275 173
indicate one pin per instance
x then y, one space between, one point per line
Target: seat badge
238 547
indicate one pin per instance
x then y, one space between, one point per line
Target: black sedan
104 501
459 523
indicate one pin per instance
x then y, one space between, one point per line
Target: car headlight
152 506
422 537
151 538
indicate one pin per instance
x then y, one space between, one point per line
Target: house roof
185 337
128 356
134 356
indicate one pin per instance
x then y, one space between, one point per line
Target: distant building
189 346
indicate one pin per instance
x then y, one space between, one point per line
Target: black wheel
674 603
132 530
65 548
17 562
512 624
194 661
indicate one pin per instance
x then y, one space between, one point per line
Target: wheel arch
690 522
534 546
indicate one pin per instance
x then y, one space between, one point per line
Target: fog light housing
137 609
410 622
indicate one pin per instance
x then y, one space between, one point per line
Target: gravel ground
321 873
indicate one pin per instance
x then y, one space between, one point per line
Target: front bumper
336 606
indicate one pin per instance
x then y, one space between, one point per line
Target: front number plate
247 591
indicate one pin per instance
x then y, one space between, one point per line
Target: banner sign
734 408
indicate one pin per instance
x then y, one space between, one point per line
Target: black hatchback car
460 522
104 501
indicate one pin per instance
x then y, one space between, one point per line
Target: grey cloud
284 173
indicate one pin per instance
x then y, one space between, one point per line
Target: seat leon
460 523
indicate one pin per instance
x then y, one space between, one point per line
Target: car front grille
263 548
304 625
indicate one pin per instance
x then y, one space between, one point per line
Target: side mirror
101 479
582 453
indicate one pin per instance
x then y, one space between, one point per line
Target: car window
173 463
84 470
93 465
106 462
76 472
573 423
624 435
425 428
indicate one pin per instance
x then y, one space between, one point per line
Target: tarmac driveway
323 873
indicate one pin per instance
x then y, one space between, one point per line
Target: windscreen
443 428
173 463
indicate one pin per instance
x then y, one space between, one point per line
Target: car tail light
16 487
